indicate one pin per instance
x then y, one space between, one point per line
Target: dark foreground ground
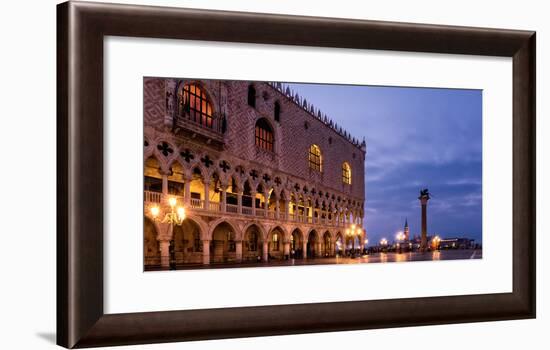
372 258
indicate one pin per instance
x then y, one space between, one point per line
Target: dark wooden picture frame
81 321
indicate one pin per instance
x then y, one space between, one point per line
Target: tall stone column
164 183
239 251
164 253
187 192
240 201
206 252
304 248
424 198
285 209
253 195
318 249
224 199
286 248
265 251
207 195
266 204
278 210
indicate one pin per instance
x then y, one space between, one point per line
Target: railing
217 207
197 203
152 197
231 208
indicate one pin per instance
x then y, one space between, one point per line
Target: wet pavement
365 259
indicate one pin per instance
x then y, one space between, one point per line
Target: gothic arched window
264 135
315 158
346 173
196 105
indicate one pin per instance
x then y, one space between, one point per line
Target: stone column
278 210
304 249
187 192
164 253
164 183
207 195
285 209
239 251
266 204
240 201
264 251
224 198
206 252
286 249
318 249
253 195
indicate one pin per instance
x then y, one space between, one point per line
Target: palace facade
262 175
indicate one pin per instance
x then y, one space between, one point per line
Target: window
346 173
195 103
251 96
277 112
275 242
315 158
264 135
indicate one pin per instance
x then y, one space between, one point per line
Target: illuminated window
264 135
315 158
346 173
196 105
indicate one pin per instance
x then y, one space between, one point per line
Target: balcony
216 208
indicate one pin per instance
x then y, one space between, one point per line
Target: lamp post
383 243
400 237
435 242
173 217
353 231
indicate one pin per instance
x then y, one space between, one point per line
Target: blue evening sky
416 138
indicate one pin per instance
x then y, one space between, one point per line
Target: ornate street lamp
352 232
173 217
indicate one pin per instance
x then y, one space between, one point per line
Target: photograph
259 174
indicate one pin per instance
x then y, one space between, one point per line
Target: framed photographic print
225 174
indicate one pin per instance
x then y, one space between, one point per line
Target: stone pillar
253 195
207 195
286 248
239 251
424 239
164 184
206 252
318 252
265 251
304 249
239 201
224 198
187 192
285 209
278 210
266 204
164 253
